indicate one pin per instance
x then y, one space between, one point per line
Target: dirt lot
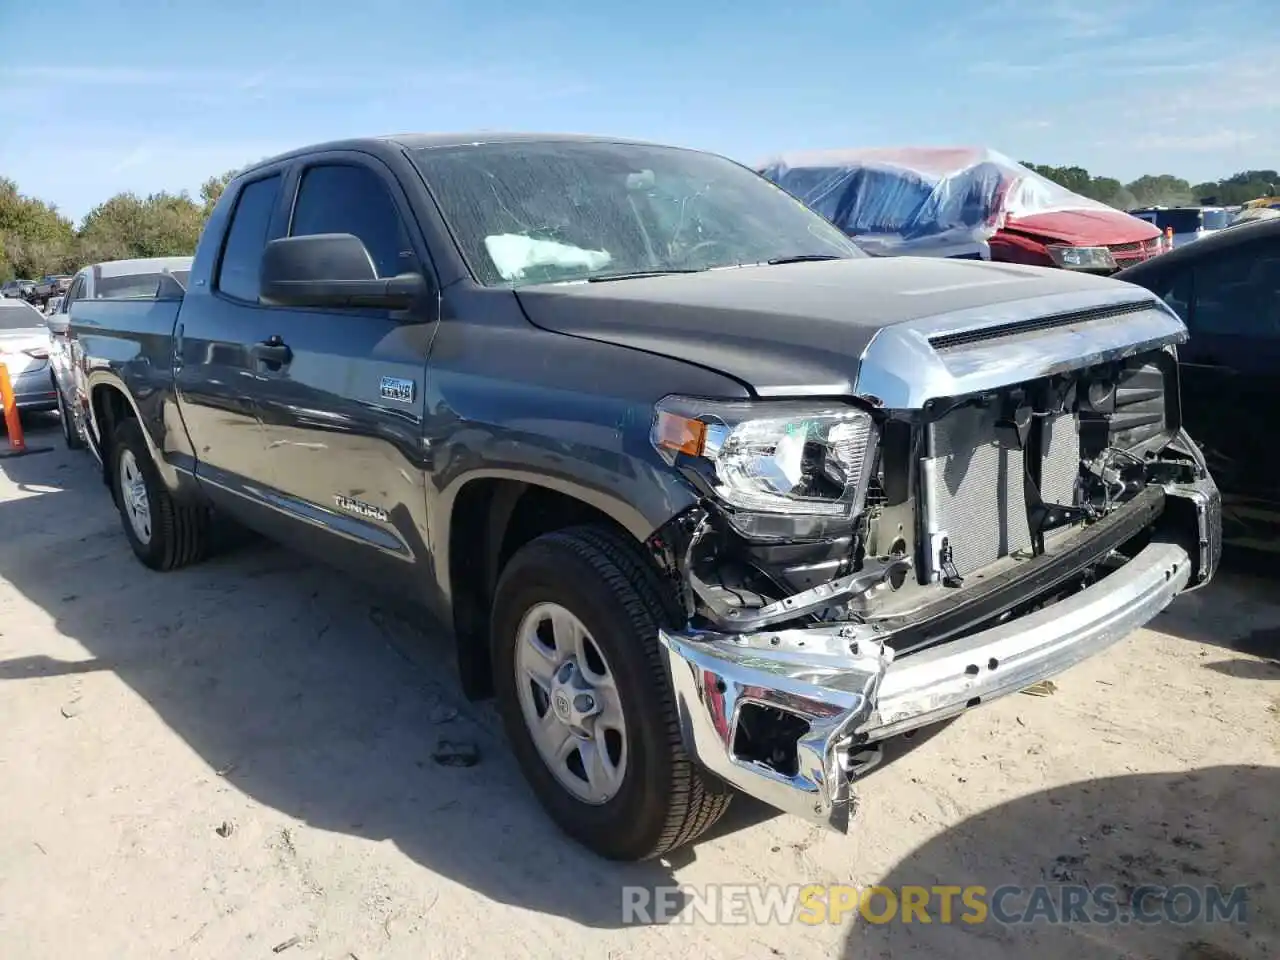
216 762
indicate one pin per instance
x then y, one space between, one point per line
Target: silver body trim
846 684
903 370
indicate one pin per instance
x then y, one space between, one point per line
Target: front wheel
586 701
163 533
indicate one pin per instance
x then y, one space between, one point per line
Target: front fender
639 504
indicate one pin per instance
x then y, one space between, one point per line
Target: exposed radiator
1061 464
975 488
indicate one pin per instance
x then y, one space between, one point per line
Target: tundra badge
360 508
397 388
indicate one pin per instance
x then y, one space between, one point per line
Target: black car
1226 288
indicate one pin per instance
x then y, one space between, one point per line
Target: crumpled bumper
850 690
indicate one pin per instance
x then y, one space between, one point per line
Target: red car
962 202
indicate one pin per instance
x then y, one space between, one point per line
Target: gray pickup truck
711 502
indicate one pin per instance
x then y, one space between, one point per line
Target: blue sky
160 95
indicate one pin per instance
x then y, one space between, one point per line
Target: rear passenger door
343 414
216 370
1230 368
61 360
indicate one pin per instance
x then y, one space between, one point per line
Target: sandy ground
237 758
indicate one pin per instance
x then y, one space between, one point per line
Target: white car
24 350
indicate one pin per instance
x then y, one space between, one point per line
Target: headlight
798 459
1081 258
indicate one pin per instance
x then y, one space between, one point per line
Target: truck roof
415 141
125 268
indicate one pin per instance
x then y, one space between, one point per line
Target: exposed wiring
1103 468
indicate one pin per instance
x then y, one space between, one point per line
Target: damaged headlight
798 460
1081 258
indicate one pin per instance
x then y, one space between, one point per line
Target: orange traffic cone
12 422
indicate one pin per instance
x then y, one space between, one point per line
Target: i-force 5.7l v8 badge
397 388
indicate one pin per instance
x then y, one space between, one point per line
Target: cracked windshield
542 212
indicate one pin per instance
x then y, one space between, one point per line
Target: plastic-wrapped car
965 202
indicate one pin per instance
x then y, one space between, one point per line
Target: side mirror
331 270
58 324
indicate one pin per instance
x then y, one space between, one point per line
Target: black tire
179 533
665 800
70 435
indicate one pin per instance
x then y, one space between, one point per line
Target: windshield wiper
805 258
633 274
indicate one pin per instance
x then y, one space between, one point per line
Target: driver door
342 398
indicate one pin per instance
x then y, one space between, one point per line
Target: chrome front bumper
851 691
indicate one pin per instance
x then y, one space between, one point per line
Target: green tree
1239 187
1161 190
1075 179
162 225
1110 190
34 238
1079 180
211 191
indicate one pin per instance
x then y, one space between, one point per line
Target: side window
74 294
1238 293
246 236
1175 290
343 198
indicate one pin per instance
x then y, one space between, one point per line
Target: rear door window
238 273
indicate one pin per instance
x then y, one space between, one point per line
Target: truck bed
130 341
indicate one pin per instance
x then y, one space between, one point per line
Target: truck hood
793 329
1085 227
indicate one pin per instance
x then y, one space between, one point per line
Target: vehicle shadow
1246 583
299 687
1215 826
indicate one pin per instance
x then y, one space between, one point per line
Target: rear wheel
163 533
70 434
586 701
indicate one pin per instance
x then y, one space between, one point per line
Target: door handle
273 352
